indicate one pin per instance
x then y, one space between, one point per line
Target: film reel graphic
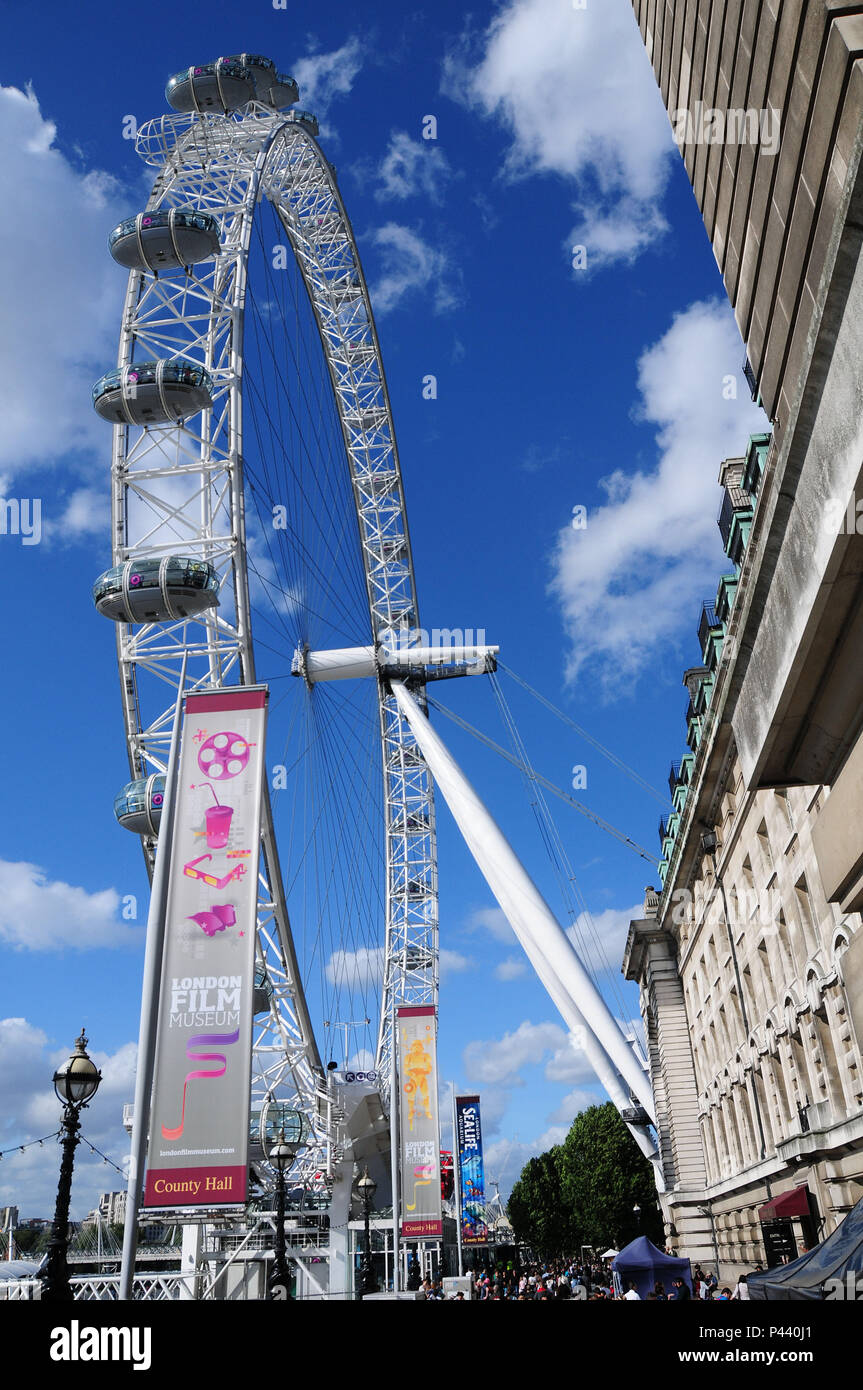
223 756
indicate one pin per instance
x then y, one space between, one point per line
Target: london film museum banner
199 1122
419 1135
471 1178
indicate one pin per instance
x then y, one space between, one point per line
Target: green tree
603 1177
582 1192
535 1208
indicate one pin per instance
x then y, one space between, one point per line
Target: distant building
112 1207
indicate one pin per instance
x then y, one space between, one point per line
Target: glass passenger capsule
138 807
222 86
279 1117
306 120
152 393
156 589
164 240
263 990
273 88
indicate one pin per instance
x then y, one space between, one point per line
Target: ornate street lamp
366 1189
76 1082
636 1211
281 1154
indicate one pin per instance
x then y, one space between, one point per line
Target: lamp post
282 1154
366 1189
636 1211
76 1082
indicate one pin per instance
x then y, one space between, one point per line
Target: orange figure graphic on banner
418 1065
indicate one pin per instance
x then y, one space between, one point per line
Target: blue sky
604 387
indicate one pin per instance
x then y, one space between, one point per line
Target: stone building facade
749 955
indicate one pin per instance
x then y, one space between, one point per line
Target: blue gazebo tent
835 1258
641 1263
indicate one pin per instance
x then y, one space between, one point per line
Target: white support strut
546 944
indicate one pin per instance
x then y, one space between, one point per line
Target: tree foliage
582 1192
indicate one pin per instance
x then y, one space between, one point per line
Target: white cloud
501 1060
363 1060
569 1064
62 295
602 946
630 582
30 1109
409 266
38 914
491 919
412 167
454 963
86 512
510 969
322 77
571 1105
505 1158
362 969
616 230
576 92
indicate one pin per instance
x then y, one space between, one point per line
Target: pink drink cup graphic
218 826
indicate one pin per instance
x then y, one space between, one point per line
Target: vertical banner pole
456 1173
150 1005
394 1154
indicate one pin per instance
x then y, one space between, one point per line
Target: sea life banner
474 1230
199 1122
419 1134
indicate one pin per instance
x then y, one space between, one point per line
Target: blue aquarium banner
474 1230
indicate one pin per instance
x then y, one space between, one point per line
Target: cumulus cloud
322 77
505 1158
572 1104
362 969
491 919
29 1110
629 583
62 295
616 230
411 168
410 266
40 914
576 93
501 1060
86 512
510 969
453 963
600 939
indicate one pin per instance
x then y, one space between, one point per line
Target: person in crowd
632 1294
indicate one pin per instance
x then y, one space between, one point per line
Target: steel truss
180 488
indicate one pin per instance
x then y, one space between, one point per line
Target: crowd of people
547 1281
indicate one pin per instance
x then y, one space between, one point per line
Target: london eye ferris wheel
258 516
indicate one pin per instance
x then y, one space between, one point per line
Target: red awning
786 1205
